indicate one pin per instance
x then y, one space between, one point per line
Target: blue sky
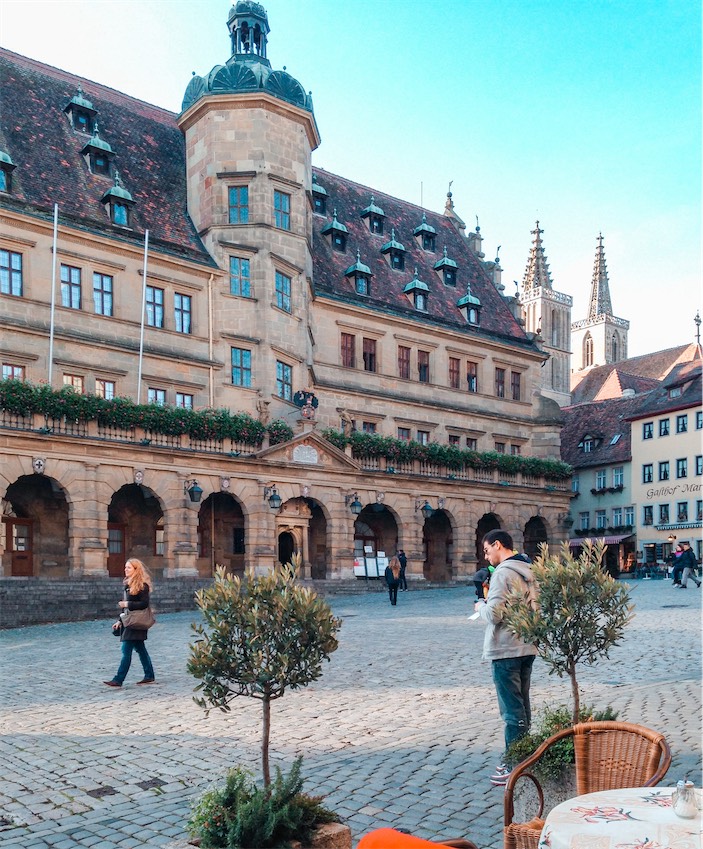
586 115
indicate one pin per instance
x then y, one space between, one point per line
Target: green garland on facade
398 450
22 398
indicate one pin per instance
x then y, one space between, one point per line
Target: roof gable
604 420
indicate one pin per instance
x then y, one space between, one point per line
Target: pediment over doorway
310 450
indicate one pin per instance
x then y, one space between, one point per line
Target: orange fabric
389 838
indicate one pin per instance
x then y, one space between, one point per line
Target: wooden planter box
333 835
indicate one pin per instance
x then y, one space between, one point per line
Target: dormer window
80 112
118 202
319 197
99 153
7 166
447 268
338 233
418 292
361 275
470 306
395 252
425 235
375 216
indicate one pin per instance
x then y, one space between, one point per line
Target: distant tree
259 637
581 612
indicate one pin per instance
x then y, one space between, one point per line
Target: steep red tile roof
350 199
685 377
149 147
637 373
603 419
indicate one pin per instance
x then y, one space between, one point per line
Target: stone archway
487 522
534 535
438 543
36 528
135 529
375 526
221 534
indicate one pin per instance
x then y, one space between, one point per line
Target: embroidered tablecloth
634 818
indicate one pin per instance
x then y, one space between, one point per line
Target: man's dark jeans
511 676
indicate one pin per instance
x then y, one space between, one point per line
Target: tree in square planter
259 637
581 613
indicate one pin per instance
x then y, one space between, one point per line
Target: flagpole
141 331
53 292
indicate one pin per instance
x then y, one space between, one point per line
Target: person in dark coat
403 560
392 575
137 591
690 565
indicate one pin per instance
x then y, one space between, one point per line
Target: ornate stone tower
601 338
249 134
548 315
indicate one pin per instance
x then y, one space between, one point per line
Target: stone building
548 315
600 338
199 261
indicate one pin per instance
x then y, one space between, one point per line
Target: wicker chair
608 755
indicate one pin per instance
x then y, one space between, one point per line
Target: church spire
537 274
600 303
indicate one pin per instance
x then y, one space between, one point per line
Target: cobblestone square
402 729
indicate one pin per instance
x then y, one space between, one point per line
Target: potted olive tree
580 614
259 637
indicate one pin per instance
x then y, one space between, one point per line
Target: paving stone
410 744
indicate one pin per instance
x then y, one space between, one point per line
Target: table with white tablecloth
631 818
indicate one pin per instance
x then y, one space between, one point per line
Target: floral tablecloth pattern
633 818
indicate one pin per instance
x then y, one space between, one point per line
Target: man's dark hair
503 537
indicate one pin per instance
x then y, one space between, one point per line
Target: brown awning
614 540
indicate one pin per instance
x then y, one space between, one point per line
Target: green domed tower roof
248 69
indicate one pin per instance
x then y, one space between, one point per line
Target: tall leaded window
423 366
241 367
76 381
239 277
682 468
648 430
404 362
500 382
472 377
600 479
182 310
454 366
238 204
601 519
618 476
369 354
11 273
663 514
663 427
11 371
283 292
70 287
105 389
156 396
682 423
515 385
284 381
404 434
647 473
102 293
348 350
281 210
664 470
154 306
184 400
648 514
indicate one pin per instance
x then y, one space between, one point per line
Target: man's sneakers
501 775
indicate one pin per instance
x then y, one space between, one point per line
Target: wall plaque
305 454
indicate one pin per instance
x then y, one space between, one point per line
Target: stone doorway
438 543
136 510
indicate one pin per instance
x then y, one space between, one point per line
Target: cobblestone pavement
401 730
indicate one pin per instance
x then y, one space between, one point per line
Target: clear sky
586 115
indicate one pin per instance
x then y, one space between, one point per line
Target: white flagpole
53 292
141 331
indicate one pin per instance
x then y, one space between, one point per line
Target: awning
614 540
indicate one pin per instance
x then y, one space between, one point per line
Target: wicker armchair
608 755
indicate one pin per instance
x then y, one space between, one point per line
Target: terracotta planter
333 835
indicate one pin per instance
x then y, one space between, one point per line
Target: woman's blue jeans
140 648
511 676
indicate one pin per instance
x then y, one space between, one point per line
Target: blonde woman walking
136 597
392 574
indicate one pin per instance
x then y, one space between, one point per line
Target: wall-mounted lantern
424 506
193 491
271 495
353 503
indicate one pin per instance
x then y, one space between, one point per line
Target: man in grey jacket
511 658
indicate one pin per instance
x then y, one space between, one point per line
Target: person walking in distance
511 658
403 564
137 590
392 575
690 565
